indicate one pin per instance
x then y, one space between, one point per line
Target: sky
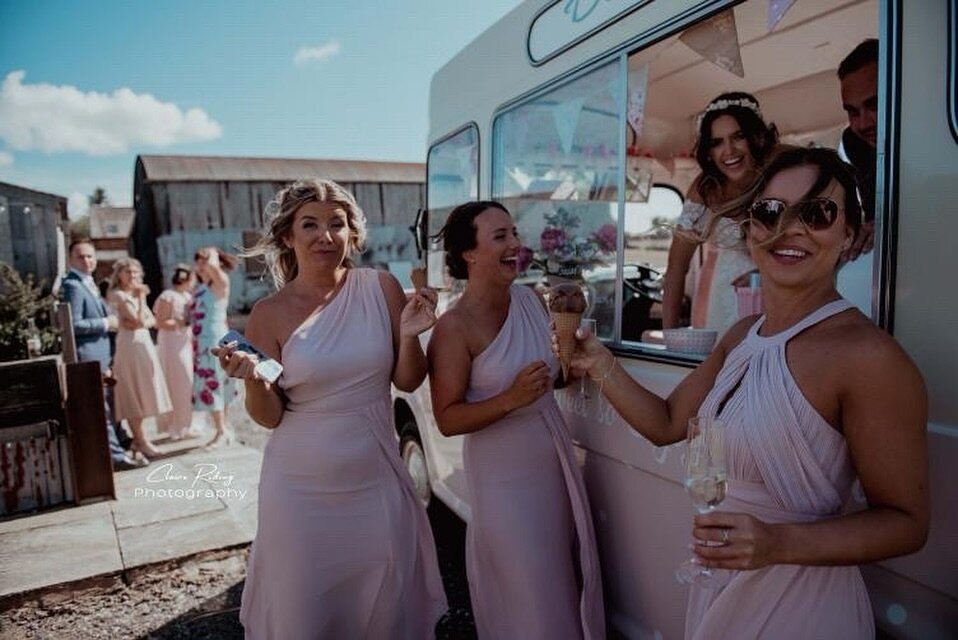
87 85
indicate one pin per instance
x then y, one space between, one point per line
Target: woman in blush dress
140 387
343 547
530 547
733 144
174 345
811 393
212 391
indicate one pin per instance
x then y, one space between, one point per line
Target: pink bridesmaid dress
530 546
140 386
785 464
343 547
175 350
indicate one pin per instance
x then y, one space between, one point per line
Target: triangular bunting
638 81
566 115
716 40
776 11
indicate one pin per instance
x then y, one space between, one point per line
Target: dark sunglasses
816 214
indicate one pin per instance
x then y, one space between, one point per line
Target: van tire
414 459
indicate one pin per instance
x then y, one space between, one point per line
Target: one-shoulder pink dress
785 464
530 545
343 546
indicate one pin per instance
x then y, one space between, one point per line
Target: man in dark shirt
858 74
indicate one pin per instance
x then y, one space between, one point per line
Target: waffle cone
566 323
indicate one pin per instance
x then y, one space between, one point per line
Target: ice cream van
580 116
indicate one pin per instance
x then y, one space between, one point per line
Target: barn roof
248 169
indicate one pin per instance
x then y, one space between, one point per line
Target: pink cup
749 301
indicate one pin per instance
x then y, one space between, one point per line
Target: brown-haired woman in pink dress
343 547
530 548
812 394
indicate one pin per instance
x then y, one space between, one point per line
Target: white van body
542 48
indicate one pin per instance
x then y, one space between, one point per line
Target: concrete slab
66 515
58 553
185 536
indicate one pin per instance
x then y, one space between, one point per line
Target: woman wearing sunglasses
733 143
812 395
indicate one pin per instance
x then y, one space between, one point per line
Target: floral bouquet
564 251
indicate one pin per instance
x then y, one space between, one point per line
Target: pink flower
551 239
206 397
523 258
605 237
197 329
212 385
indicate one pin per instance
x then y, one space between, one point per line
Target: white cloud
54 119
318 53
6 159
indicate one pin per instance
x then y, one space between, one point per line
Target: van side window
556 168
452 178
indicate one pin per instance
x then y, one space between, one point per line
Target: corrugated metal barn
183 203
33 231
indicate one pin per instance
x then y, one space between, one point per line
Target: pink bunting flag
716 40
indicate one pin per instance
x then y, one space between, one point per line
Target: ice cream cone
566 323
418 277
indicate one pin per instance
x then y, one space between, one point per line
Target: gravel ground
199 599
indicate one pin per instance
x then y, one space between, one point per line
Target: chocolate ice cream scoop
566 297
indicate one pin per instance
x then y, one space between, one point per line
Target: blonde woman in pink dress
343 547
174 345
530 548
140 387
812 394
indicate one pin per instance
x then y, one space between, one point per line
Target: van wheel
413 456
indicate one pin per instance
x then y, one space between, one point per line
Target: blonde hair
280 259
119 267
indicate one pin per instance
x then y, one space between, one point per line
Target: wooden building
33 232
110 229
183 203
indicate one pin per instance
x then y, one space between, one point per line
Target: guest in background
92 324
212 390
140 387
174 342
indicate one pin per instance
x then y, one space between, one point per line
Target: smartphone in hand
267 368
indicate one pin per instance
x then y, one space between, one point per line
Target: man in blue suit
92 324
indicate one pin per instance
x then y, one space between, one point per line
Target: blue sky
87 85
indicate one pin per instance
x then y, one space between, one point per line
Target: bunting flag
668 163
566 115
716 40
776 11
638 83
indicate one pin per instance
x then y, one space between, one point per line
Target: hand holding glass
705 482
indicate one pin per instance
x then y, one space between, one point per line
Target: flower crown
725 103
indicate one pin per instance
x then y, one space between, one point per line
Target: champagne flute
590 325
705 481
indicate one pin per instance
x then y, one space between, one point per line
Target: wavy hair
279 214
761 138
119 267
830 167
458 235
